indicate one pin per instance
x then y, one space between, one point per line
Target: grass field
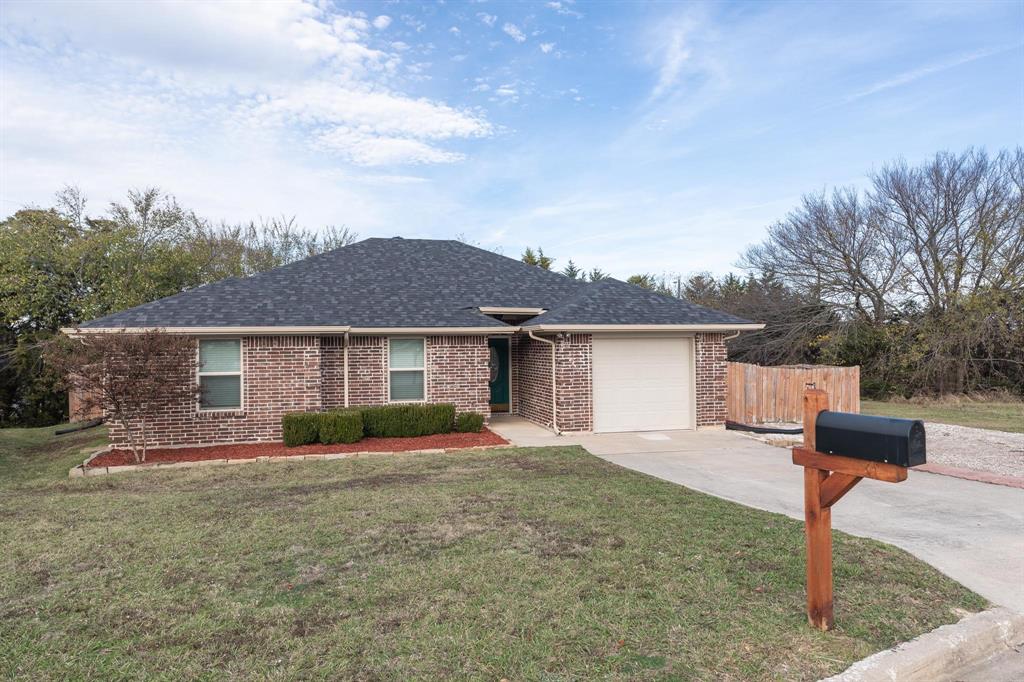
520 563
982 414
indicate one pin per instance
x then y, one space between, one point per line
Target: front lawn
981 414
522 563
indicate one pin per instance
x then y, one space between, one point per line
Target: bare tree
958 220
132 377
836 249
246 249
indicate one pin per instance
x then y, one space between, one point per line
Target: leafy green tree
597 274
572 271
531 257
61 266
651 282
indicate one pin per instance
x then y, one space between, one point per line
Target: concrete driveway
973 532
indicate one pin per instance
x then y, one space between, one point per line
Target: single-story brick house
417 320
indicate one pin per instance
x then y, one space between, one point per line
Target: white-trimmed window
220 374
406 367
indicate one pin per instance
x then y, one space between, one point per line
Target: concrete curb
941 653
85 470
972 475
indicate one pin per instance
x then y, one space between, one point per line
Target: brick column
711 379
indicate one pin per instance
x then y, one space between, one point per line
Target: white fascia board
643 327
433 331
209 331
277 331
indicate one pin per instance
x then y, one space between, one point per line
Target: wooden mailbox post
826 479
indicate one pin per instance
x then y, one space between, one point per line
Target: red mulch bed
252 451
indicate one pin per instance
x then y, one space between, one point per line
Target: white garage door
643 384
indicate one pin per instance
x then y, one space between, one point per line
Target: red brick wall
711 380
531 364
306 373
280 374
573 376
531 372
367 367
457 372
332 371
531 376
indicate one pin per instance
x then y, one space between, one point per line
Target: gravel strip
998 452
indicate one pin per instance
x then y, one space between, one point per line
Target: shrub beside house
351 425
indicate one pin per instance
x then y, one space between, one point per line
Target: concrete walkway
973 532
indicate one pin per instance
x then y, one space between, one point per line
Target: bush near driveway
469 422
543 563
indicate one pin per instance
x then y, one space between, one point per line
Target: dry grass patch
1000 412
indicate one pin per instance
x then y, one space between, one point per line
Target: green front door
499 377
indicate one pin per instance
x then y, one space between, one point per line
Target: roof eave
283 330
719 327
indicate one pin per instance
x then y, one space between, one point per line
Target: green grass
522 563
982 414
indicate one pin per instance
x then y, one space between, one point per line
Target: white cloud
514 32
372 150
675 54
454 30
381 113
382 22
226 44
413 23
916 74
546 48
563 8
287 71
488 19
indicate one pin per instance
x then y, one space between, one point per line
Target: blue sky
636 138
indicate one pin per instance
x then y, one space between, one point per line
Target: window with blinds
220 374
406 370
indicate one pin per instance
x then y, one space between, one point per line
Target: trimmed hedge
300 428
406 421
352 424
469 422
345 426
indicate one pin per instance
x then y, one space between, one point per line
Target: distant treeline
61 266
919 279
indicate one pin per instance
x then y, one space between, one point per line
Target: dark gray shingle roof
406 283
610 301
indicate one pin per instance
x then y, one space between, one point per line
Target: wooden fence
756 394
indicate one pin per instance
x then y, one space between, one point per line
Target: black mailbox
879 439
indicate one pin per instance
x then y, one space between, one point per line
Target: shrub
405 421
469 422
300 428
343 426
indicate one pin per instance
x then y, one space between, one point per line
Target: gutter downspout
554 387
344 355
731 336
